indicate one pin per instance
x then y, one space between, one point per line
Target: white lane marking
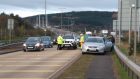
26 71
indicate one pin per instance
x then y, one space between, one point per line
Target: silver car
96 45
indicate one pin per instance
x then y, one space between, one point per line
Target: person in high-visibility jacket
59 42
81 40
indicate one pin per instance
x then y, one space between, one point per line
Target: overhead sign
10 24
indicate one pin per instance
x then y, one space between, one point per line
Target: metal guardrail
10 44
131 67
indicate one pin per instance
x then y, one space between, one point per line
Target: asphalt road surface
35 64
46 64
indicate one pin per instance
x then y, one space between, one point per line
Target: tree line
22 27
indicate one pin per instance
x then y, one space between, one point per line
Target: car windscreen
68 37
45 38
33 39
95 40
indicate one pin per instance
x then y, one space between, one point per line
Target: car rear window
96 40
68 37
33 39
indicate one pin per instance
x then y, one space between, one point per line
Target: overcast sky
33 7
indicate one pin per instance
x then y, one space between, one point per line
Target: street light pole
135 33
120 23
61 19
46 19
130 27
138 34
116 22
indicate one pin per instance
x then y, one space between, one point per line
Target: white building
128 15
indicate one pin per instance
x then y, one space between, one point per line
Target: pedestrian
112 39
81 40
59 42
113 42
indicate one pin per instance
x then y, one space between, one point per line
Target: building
128 15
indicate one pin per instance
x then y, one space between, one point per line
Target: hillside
74 21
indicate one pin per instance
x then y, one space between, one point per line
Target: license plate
67 45
30 47
93 49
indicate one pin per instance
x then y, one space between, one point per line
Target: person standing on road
59 42
81 40
113 42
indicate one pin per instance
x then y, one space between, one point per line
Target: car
33 43
96 45
70 41
47 41
78 40
2 43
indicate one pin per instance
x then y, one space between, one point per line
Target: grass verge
78 69
119 70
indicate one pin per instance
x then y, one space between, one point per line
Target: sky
26 8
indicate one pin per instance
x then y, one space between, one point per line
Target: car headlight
101 46
24 44
38 44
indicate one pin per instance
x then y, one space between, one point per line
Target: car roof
45 36
95 37
33 37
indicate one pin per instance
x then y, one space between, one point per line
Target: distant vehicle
47 41
104 33
33 43
89 33
70 41
2 43
96 45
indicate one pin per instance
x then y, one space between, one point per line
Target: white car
96 45
69 41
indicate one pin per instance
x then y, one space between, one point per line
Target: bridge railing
131 67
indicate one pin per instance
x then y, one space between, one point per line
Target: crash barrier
131 67
2 46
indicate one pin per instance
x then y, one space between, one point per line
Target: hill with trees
78 21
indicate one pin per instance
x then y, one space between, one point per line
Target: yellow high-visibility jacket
82 38
60 40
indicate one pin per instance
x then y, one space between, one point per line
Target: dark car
47 41
33 43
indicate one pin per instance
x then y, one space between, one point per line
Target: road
36 64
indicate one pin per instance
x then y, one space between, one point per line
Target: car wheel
83 52
52 46
43 49
25 50
74 47
104 53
